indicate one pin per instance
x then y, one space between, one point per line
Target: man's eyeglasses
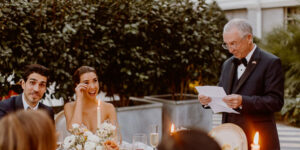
233 44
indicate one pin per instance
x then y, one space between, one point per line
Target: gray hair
241 24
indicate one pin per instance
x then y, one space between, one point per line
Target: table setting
107 137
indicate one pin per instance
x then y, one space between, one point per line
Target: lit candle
98 115
255 145
172 129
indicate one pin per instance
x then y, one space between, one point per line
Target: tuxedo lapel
250 67
232 71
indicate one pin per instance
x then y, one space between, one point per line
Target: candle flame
256 137
172 128
98 103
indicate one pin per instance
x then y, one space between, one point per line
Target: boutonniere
254 62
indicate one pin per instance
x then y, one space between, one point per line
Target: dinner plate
230 137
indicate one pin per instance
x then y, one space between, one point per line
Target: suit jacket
15 103
261 87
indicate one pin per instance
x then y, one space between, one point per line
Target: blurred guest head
192 139
27 130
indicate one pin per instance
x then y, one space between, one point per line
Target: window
292 15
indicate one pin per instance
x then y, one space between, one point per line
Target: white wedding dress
61 127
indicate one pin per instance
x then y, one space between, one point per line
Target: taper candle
98 115
255 145
172 129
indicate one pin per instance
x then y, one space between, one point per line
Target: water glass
123 147
139 141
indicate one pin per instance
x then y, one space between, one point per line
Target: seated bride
83 110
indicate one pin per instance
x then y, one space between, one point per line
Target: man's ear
22 81
250 38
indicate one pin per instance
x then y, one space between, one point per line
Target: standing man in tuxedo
254 82
34 85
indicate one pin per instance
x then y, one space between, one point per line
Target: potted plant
193 54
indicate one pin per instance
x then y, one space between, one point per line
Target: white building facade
264 15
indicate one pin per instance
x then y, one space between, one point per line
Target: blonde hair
27 130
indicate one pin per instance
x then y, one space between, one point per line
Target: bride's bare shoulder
108 105
69 105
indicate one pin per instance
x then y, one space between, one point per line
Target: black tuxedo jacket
261 87
15 103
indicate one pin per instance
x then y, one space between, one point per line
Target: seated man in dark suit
34 85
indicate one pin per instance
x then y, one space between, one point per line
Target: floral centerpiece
83 139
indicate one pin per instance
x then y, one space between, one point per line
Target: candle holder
255 147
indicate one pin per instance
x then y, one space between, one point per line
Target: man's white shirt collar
248 57
241 68
26 105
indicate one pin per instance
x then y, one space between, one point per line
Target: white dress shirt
241 68
26 105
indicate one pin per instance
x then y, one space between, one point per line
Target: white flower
69 141
93 138
98 147
106 131
108 126
89 146
78 147
88 133
75 125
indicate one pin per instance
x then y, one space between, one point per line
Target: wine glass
139 141
118 136
154 136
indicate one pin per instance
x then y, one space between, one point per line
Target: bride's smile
91 80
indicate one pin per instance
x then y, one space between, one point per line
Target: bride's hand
80 88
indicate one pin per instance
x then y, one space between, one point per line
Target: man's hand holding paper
233 100
213 95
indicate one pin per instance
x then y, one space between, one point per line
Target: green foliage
138 47
291 111
56 34
284 42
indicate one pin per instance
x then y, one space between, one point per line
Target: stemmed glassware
118 136
154 136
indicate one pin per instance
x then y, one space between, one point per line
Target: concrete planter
137 119
183 113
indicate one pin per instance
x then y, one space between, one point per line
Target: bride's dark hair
81 70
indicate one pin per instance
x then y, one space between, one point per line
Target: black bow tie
237 61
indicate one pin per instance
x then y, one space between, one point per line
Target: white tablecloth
129 146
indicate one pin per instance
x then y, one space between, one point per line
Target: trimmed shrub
284 42
138 47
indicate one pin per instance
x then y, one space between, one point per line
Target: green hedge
138 47
284 42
